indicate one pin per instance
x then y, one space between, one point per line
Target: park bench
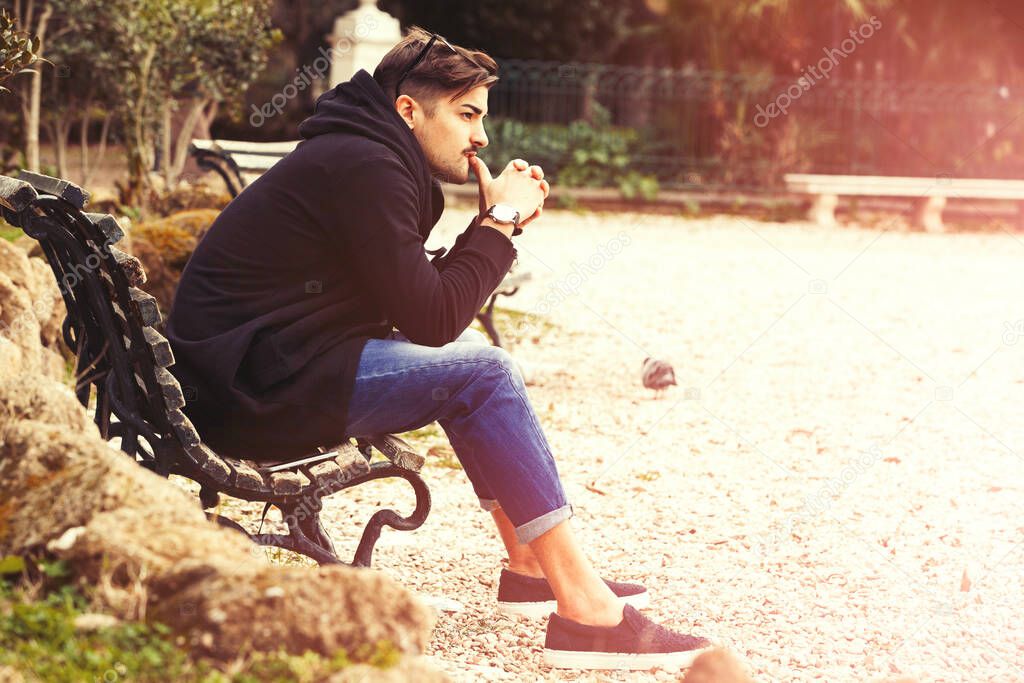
110 326
239 163
930 194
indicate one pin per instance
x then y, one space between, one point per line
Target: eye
467 115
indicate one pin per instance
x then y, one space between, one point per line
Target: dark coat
321 253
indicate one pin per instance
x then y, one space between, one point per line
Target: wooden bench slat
398 451
108 225
174 398
352 463
184 430
67 191
130 266
144 306
246 147
159 347
210 463
287 482
16 194
246 476
325 473
255 162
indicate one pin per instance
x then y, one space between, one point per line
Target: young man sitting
310 311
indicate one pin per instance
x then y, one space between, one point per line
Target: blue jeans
476 393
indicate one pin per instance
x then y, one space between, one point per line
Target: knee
501 362
473 336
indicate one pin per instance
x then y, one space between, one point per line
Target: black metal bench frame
110 328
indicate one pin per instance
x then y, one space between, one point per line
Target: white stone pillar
360 40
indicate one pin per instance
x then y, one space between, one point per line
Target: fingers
545 187
518 164
483 174
535 216
537 172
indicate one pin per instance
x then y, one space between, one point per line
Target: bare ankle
604 615
526 568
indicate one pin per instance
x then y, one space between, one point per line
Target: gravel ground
832 491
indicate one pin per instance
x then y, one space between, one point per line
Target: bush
581 154
45 635
175 237
164 246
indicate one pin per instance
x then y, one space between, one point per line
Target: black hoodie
321 253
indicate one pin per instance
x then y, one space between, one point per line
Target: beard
454 172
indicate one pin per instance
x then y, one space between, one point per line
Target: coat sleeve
430 304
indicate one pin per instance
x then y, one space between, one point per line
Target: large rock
31 314
716 666
148 549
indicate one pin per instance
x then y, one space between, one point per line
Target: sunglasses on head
419 58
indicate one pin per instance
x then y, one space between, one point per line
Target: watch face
504 213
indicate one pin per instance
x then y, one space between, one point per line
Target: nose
479 136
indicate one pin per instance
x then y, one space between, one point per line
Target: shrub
175 237
581 154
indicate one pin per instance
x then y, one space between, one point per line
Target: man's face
451 133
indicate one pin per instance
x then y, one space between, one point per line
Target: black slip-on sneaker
636 643
526 596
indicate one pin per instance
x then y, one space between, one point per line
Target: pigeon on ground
657 375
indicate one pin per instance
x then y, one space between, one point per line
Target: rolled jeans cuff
540 525
489 504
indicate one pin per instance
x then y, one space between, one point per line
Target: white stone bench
239 162
930 194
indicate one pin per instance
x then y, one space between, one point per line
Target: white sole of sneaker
540 610
564 659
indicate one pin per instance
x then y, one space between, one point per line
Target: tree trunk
188 127
36 92
59 130
87 170
136 137
165 142
202 130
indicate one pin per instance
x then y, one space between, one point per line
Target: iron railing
701 129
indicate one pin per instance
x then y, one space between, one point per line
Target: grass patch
8 233
39 637
428 435
444 457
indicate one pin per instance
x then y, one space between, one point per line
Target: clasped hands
520 186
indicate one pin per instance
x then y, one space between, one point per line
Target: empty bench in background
122 363
930 194
239 163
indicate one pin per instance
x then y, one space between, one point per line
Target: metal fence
698 129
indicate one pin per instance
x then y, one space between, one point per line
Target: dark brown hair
440 72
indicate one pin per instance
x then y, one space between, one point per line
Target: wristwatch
503 214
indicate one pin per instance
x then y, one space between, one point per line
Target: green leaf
55 570
11 564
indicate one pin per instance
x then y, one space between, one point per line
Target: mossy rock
175 237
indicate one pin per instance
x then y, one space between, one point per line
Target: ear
406 107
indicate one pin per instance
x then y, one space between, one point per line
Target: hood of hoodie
359 107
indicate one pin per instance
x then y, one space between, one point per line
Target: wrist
504 229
